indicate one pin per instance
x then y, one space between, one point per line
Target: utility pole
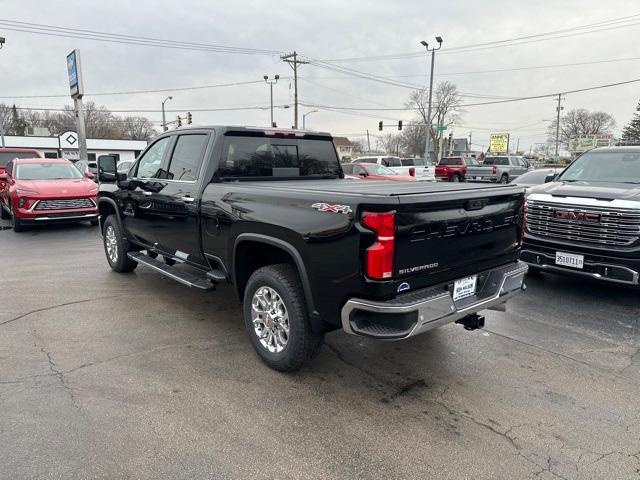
271 83
292 60
2 129
517 145
558 109
427 157
470 144
164 121
368 141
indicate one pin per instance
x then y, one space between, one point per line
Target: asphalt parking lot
135 376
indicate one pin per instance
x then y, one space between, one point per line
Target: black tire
455 178
302 343
504 178
17 225
119 262
4 214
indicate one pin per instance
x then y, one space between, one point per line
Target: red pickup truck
454 169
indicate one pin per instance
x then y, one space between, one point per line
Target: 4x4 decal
327 207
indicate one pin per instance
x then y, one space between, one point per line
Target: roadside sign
75 74
441 128
499 143
582 144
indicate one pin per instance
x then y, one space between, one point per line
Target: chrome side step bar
190 279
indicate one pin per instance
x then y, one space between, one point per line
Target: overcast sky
35 64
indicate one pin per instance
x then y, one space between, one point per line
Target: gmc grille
617 227
75 204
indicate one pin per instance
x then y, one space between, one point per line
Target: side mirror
550 178
107 168
4 176
89 175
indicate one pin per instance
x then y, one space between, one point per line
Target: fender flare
112 202
297 258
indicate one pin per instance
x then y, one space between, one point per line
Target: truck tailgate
435 234
473 172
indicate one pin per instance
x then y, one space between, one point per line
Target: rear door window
451 161
496 161
392 162
408 162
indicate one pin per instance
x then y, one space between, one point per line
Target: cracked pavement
134 376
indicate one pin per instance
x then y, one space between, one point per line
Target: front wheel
17 225
5 215
455 178
276 318
504 178
116 247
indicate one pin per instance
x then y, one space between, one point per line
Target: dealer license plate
570 260
465 287
478 178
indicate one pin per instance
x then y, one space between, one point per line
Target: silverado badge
326 207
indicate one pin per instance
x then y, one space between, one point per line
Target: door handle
188 199
147 193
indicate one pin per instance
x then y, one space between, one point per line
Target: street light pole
304 118
429 126
271 82
164 122
558 109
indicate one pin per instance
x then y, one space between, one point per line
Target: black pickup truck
307 250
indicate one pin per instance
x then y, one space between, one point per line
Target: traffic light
179 121
380 125
399 124
189 118
450 142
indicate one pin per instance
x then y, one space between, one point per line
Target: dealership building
66 146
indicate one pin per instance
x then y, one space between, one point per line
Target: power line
58 31
611 24
484 103
144 110
133 92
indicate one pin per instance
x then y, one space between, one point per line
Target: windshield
6 156
375 169
594 166
46 171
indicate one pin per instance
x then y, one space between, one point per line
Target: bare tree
413 139
6 119
137 128
446 108
580 122
390 143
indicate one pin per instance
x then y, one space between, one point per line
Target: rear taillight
412 171
379 256
494 170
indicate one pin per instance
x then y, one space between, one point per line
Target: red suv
39 190
452 169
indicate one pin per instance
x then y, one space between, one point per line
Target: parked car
125 165
88 169
587 221
537 177
419 170
38 190
373 171
498 169
454 169
7 153
267 210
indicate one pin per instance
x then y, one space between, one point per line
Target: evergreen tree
19 126
631 132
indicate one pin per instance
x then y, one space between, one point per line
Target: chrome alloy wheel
111 242
270 319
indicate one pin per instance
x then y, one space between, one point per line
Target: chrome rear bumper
423 310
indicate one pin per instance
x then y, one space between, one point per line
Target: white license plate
465 287
478 178
570 260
